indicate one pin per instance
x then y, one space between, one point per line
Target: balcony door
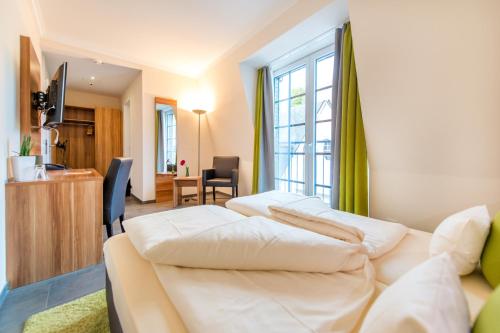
303 125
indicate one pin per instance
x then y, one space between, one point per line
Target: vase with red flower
182 163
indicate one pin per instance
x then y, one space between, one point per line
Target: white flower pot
23 168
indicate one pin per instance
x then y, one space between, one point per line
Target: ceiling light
92 78
98 61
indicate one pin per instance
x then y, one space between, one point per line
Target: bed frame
114 321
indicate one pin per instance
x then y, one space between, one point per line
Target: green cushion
490 259
488 320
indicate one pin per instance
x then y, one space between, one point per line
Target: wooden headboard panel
29 83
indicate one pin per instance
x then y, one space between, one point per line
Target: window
303 125
169 143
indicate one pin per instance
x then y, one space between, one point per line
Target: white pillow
427 299
462 235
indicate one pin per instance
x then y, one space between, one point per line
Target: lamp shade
199 111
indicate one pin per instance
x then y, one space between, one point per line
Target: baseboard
187 196
3 293
141 201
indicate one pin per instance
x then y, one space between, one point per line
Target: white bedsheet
260 301
222 300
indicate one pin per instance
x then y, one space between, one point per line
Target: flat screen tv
55 97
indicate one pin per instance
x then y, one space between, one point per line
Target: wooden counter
54 226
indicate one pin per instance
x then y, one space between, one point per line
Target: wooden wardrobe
92 137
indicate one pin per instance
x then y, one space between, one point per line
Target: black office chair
223 174
115 186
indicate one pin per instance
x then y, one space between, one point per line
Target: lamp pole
199 113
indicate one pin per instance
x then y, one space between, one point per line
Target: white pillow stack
427 299
462 236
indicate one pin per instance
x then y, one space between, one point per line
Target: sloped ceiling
429 80
178 36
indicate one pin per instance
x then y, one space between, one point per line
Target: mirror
166 135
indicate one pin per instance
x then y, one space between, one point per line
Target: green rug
87 314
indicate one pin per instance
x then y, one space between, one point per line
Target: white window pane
283 113
283 86
324 193
297 188
323 137
298 82
283 185
297 134
324 104
281 163
297 167
323 168
324 72
282 145
297 147
298 110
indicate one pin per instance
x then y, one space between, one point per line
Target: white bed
143 305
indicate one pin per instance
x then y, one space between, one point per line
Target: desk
191 181
53 226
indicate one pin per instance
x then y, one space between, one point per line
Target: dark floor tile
76 285
22 303
16 327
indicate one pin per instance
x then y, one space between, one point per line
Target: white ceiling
109 79
179 36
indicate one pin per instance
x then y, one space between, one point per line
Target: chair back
224 165
114 188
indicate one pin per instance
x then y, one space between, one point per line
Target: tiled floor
25 301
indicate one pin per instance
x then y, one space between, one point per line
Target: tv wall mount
39 102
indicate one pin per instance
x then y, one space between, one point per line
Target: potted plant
23 165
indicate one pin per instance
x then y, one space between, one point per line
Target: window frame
310 64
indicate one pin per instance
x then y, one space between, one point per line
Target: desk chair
115 186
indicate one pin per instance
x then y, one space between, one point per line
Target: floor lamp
199 113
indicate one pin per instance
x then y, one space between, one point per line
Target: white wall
17 19
429 77
153 83
158 83
133 97
91 100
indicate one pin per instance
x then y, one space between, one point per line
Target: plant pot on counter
23 168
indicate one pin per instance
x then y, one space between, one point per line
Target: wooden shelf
78 122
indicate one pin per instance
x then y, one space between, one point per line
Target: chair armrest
207 174
234 176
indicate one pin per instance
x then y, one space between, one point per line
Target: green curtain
353 188
259 108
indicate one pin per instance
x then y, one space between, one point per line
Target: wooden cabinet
77 133
92 138
53 226
165 187
108 137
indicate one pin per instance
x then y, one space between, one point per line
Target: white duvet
228 273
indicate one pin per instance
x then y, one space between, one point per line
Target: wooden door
108 137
